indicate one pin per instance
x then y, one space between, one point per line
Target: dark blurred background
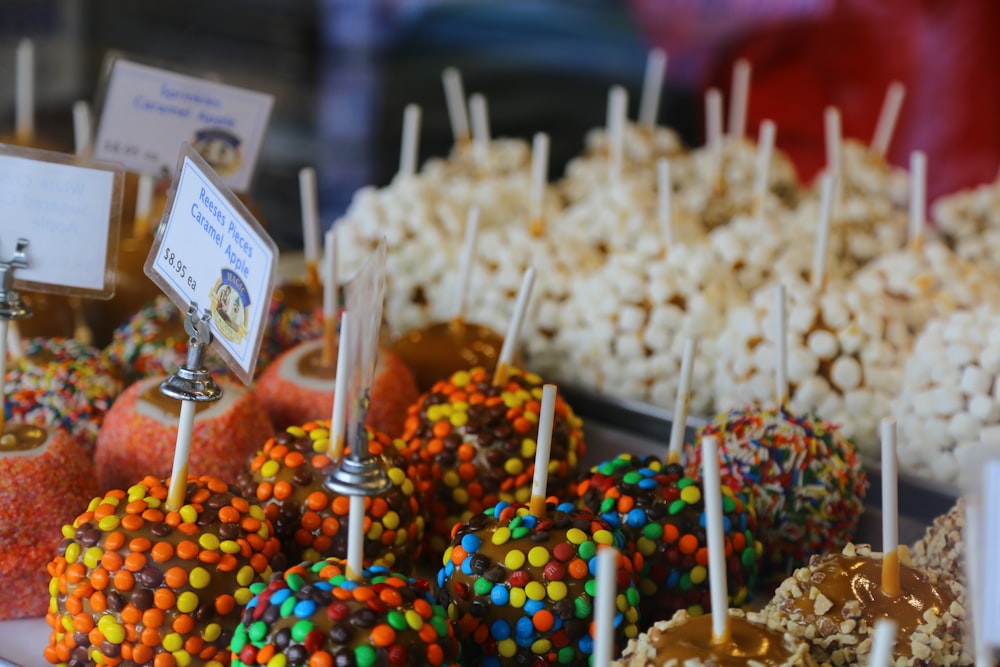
342 71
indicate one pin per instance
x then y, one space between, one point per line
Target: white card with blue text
210 251
149 112
68 209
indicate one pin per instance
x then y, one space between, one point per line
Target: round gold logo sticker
231 307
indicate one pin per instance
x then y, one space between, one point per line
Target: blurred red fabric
808 54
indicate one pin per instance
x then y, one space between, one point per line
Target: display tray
612 426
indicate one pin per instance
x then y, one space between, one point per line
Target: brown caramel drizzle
693 640
171 406
435 352
311 365
22 438
843 579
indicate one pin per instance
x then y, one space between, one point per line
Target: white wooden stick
823 232
411 141
740 93
455 98
465 263
514 328
4 323
480 130
14 349
539 175
605 607
310 214
890 503
664 202
24 90
652 87
832 133
617 114
918 196
330 286
982 652
718 586
182 453
144 197
883 643
762 172
543 449
338 420
356 538
713 133
780 347
682 403
81 127
887 118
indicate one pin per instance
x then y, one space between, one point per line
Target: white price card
149 112
69 211
210 251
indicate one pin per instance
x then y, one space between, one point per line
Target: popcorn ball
314 615
520 588
947 407
804 479
833 604
286 478
661 514
472 444
135 583
845 356
139 434
61 382
969 221
46 477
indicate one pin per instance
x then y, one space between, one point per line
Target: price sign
212 252
149 112
69 210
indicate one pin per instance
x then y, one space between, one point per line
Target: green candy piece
440 625
685 582
632 595
566 655
684 482
652 531
587 550
239 639
294 581
607 505
632 478
396 620
749 557
482 586
256 588
590 587
258 631
728 504
365 656
519 532
677 506
582 607
288 607
301 629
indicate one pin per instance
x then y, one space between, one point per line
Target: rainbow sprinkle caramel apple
61 382
139 434
314 615
133 583
286 478
46 477
520 588
804 479
473 444
661 514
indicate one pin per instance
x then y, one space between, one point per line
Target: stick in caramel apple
480 131
81 128
738 96
536 188
682 403
762 168
605 607
887 118
617 114
918 199
818 274
664 201
24 92
890 511
465 267
718 586
310 226
543 449
330 293
454 95
409 150
510 340
714 138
